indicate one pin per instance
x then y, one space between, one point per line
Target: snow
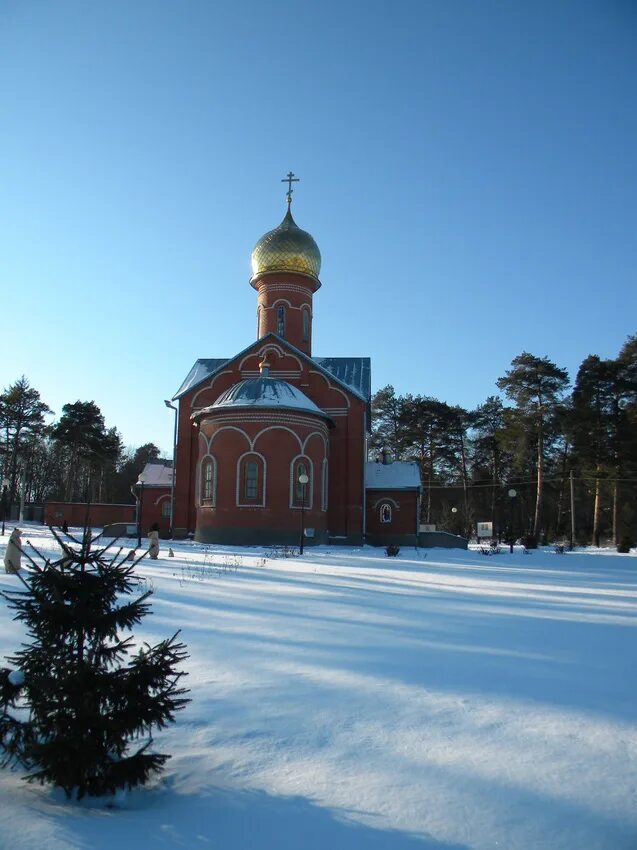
348 700
398 475
264 392
158 475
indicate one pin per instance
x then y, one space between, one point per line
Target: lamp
172 484
512 494
303 479
140 484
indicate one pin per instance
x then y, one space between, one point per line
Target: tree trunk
597 507
540 482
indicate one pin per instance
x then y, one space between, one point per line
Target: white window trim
212 502
239 490
309 503
324 486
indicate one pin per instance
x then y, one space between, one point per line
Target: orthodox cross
289 180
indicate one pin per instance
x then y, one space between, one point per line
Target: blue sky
468 170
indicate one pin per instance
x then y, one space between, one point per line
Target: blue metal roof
352 372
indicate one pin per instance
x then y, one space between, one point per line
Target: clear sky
468 170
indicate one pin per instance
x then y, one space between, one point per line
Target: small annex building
253 424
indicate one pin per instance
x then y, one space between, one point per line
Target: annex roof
399 475
354 373
158 474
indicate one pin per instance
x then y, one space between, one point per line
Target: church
274 438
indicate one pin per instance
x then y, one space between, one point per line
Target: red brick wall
294 292
154 499
346 440
273 438
404 516
75 513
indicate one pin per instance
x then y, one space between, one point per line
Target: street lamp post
140 484
303 479
512 494
454 511
5 484
172 485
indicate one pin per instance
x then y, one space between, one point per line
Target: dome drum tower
286 263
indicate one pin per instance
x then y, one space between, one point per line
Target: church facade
274 438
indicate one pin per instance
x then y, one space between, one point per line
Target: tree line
72 459
529 440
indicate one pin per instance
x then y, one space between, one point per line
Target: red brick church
254 427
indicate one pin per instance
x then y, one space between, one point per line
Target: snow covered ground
348 700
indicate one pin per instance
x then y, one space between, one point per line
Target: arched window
280 320
251 480
306 325
385 512
301 494
324 500
208 481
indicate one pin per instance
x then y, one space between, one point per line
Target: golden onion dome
287 248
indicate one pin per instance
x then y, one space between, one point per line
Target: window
280 320
301 494
300 488
385 513
250 480
259 322
165 508
207 480
324 493
306 325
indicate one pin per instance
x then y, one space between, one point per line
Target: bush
625 544
392 550
529 542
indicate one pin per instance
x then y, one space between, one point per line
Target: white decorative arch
227 428
265 349
280 301
208 387
279 428
264 465
330 385
315 434
310 484
385 512
386 499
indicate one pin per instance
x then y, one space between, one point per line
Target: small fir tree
79 710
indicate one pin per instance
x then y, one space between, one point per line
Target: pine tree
536 385
91 704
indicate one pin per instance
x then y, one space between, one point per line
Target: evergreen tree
90 703
593 404
22 415
536 385
90 449
387 422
